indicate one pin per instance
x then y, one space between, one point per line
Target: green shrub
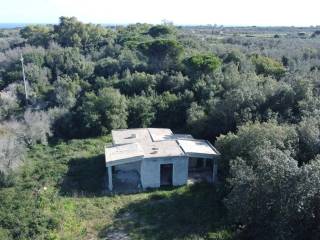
268 66
202 63
163 54
159 30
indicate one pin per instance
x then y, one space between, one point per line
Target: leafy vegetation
267 183
268 66
254 92
203 64
58 194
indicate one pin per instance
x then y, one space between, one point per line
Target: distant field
12 25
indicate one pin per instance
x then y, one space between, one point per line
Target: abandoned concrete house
153 157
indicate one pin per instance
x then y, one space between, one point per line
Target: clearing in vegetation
63 188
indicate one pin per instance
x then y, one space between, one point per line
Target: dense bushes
160 30
21 216
86 80
15 136
163 54
266 185
146 61
268 66
202 64
102 112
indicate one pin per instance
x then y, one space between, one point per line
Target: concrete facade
150 171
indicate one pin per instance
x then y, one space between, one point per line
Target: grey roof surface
126 153
197 148
124 136
162 149
143 143
160 134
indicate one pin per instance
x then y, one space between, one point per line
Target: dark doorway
199 170
166 174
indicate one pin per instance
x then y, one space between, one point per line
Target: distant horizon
272 13
23 24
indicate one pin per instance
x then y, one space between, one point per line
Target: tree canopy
204 64
253 92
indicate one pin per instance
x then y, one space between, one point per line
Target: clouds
227 12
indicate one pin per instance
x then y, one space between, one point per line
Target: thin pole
110 178
24 77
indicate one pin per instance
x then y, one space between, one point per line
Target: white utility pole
24 78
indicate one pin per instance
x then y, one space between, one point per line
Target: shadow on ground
195 212
85 176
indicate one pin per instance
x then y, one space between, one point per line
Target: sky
180 12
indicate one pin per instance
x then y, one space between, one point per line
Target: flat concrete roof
162 149
143 143
198 148
124 136
145 135
123 154
160 134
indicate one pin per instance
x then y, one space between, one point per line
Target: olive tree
141 112
309 138
163 54
66 91
268 66
160 30
37 127
202 64
12 145
262 197
102 112
243 144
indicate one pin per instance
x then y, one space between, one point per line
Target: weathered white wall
150 171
